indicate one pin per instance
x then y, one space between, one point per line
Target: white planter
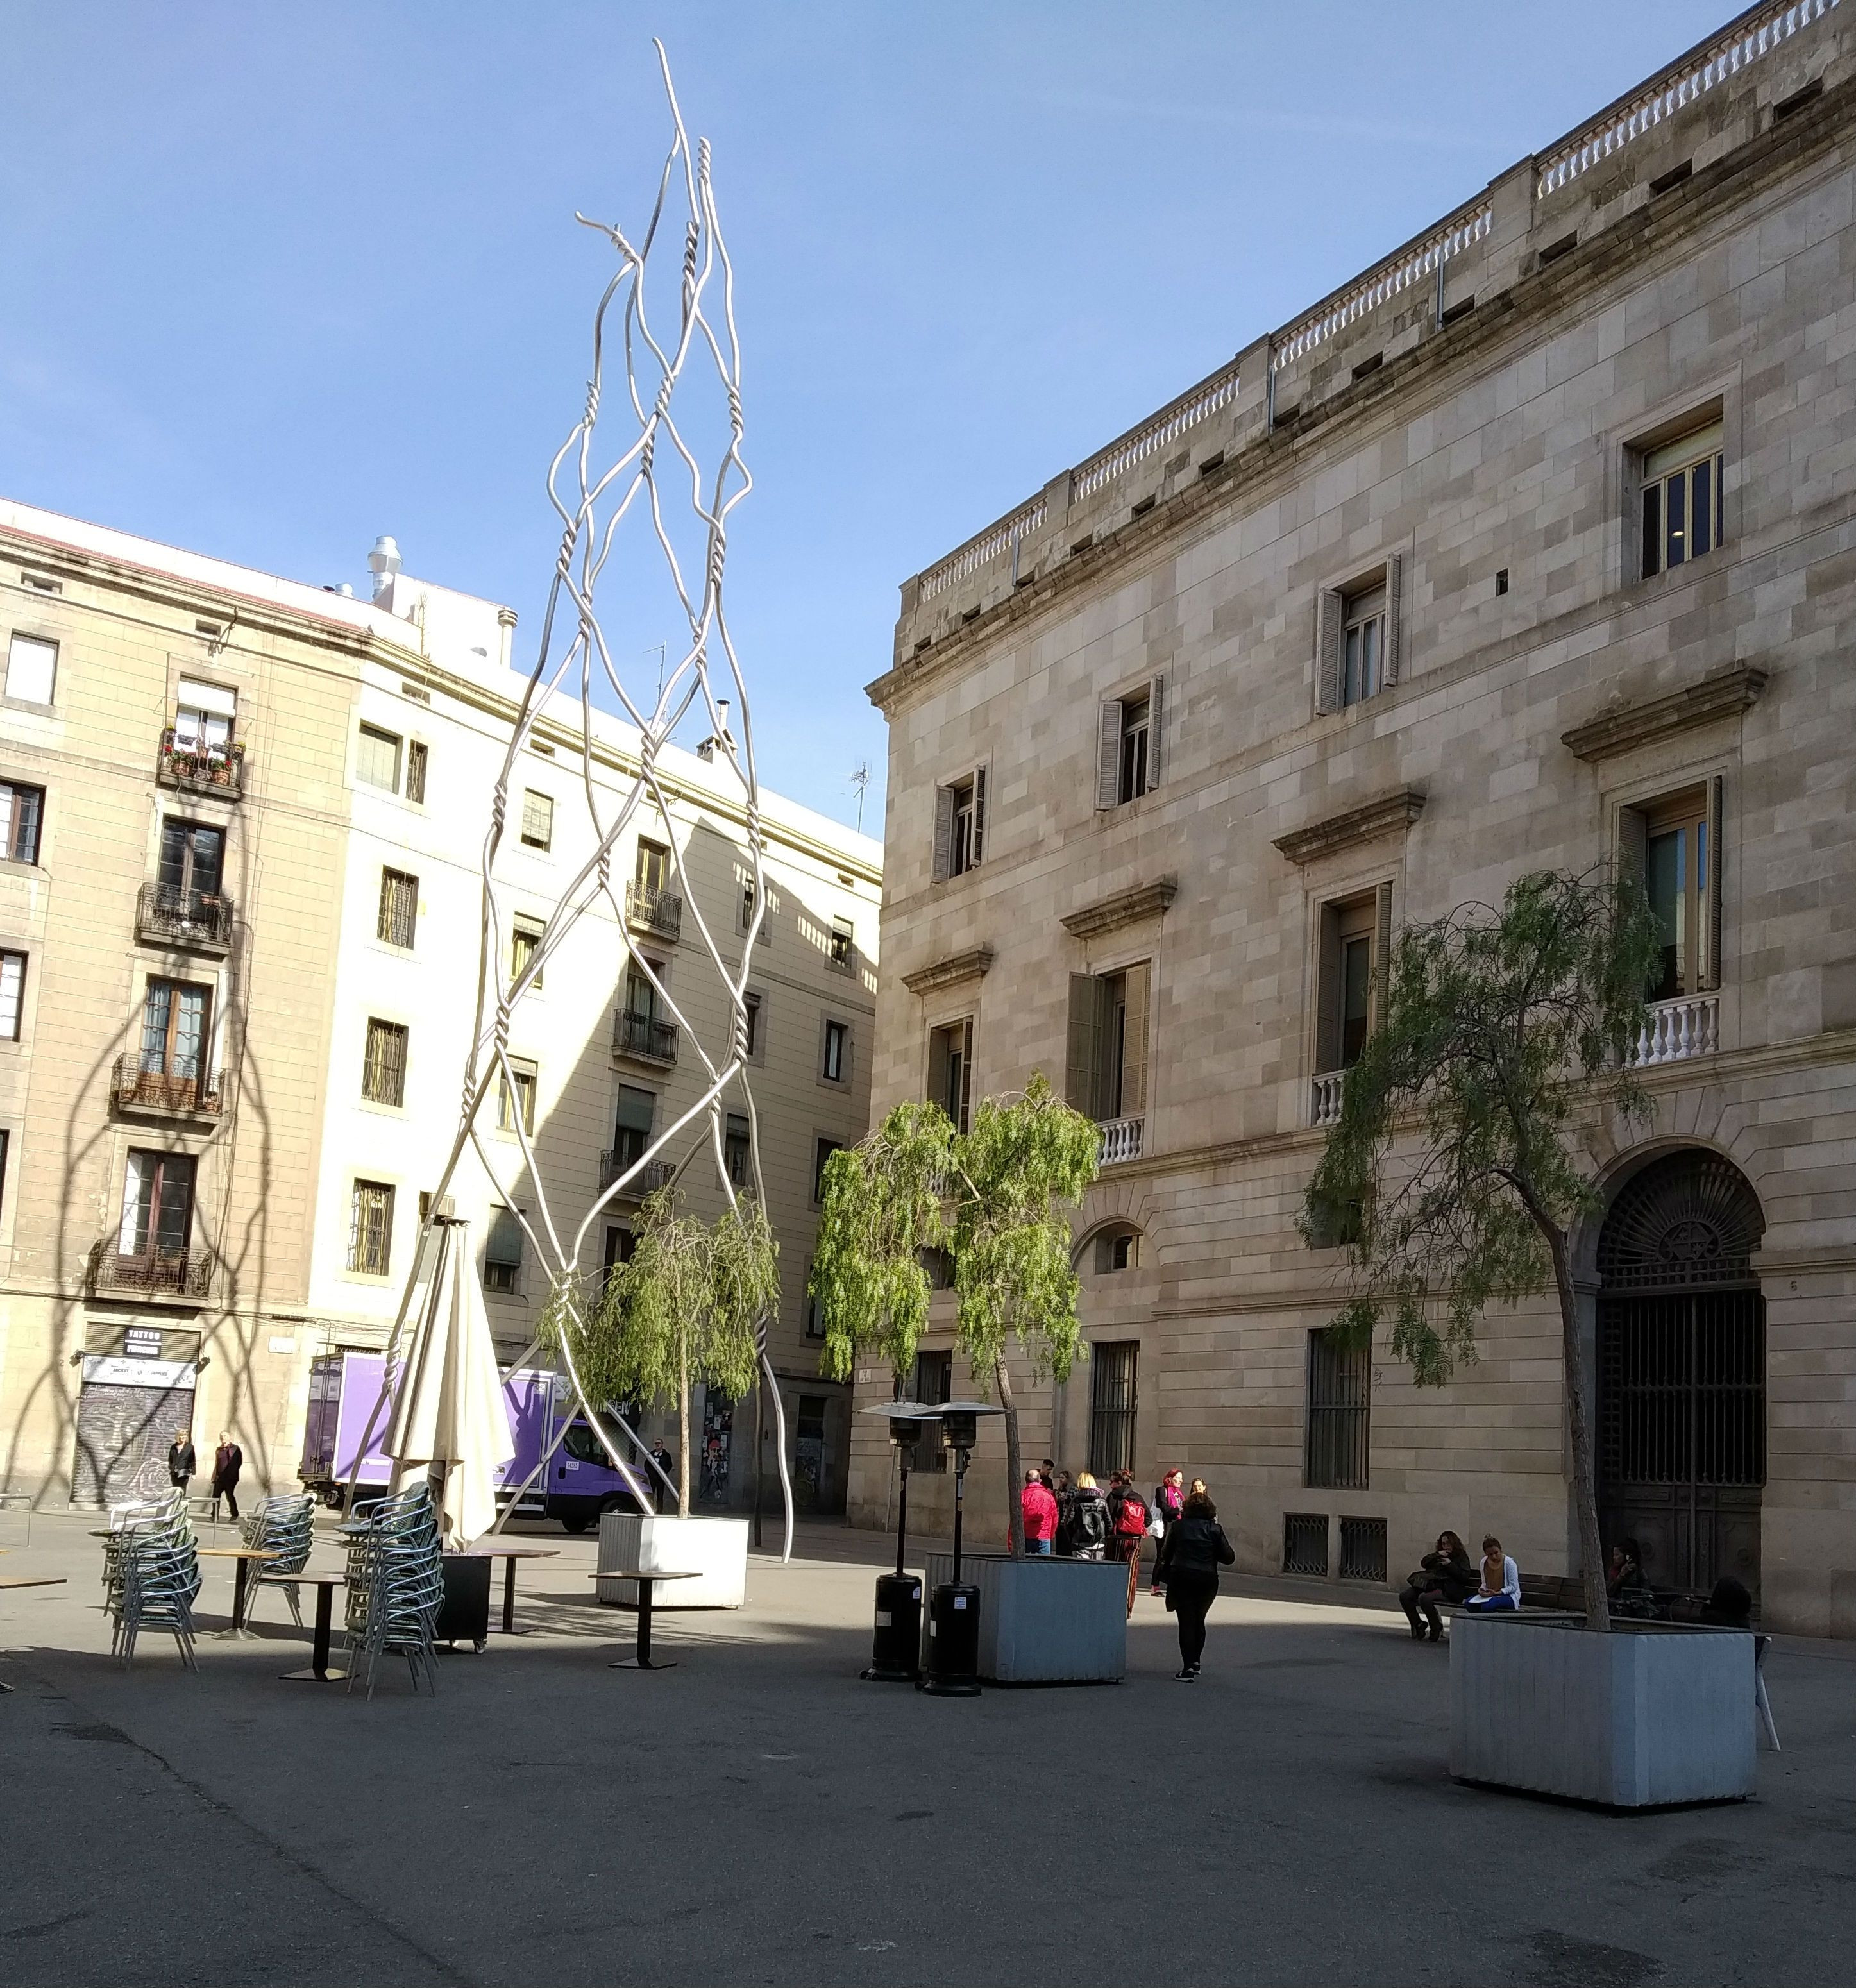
716 1550
1045 1620
1647 1715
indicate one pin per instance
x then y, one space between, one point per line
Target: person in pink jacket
1040 1511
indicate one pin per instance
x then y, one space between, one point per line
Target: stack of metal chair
396 1584
151 1575
285 1525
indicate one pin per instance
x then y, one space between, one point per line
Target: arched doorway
1682 1372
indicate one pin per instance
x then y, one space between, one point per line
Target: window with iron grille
370 1229
415 771
12 994
1363 1549
537 820
1339 1383
21 809
1111 1406
399 907
1305 1543
376 759
383 1069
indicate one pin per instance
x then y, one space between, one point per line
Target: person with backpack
1128 1517
1169 1502
1088 1519
1194 1549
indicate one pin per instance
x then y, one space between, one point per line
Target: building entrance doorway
1681 1373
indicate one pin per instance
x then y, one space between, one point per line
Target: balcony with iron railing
660 912
174 1277
644 1037
214 767
644 1180
199 920
161 1094
1673 1031
1120 1140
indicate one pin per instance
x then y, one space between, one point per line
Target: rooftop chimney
384 563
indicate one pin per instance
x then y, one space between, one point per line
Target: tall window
747 910
376 759
1111 1406
192 863
654 867
1353 933
524 942
1363 645
835 1067
641 989
1356 638
621 1247
173 1031
515 1097
502 1252
537 820
399 907
1682 506
1677 858
1105 1061
1127 744
631 1125
960 825
1340 1376
12 994
842 946
416 754
751 1028
735 1149
203 718
822 1152
31 669
383 1069
950 1072
157 1205
370 1229
21 811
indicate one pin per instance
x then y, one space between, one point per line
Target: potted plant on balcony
995 1198
686 1308
1453 1175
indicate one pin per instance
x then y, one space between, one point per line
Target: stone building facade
1534 545
239 931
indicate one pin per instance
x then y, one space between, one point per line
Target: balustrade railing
132 1088
1379 285
214 769
166 915
1188 411
174 1273
1324 1102
659 911
1121 1141
970 558
643 1036
1688 1026
647 1179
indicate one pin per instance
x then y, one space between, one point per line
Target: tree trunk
683 1433
1585 1489
1015 1474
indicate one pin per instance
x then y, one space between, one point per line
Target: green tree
995 1198
688 1307
1450 1174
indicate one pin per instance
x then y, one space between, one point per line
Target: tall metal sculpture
640 487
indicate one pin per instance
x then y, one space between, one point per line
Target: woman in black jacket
1194 1549
1446 1577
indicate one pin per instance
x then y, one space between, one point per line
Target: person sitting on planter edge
1627 1585
1193 1551
1041 1513
1445 1577
1501 1587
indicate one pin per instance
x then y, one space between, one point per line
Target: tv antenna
860 779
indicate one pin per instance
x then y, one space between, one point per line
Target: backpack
1130 1517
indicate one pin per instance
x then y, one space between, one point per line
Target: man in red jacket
1040 1509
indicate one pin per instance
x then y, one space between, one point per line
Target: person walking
1445 1578
1128 1517
664 1492
228 1461
1169 1502
1194 1549
181 1462
1039 1509
1088 1527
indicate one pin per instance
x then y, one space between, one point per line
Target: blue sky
279 278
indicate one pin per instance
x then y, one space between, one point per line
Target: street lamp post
953 1658
896 1646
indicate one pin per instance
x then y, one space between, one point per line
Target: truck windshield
580 1443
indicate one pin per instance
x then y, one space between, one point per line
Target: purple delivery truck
577 1486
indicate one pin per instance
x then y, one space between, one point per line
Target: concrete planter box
714 1549
1045 1622
1647 1715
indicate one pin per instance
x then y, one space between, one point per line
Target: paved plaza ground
757 1814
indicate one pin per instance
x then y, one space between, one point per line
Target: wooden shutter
1156 728
1382 953
1710 975
944 837
1083 1057
1327 990
1634 845
966 1074
1328 618
1395 619
937 1067
1108 756
979 814
1135 982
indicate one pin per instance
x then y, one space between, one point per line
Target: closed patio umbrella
448 1413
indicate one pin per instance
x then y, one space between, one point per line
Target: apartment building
1530 546
239 921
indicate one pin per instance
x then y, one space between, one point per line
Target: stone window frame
1631 803
1382 882
972 780
1628 443
1331 597
1109 803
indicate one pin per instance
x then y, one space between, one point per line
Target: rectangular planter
1646 1716
714 1549
1045 1620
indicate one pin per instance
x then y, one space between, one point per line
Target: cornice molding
1722 694
1391 814
1124 907
949 972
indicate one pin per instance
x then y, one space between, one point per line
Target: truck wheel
578 1524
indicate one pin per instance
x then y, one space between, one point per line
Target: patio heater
896 1647
953 1659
